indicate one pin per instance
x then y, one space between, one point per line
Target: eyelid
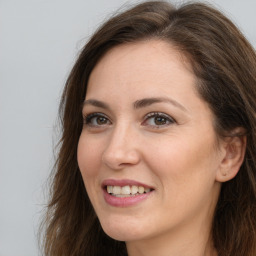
88 117
170 119
159 114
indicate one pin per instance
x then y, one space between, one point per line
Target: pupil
101 120
160 120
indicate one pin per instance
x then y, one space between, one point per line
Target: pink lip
124 201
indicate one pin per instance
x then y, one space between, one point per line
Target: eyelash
166 118
87 120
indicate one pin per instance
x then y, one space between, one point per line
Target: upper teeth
127 190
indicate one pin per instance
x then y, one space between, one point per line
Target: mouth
127 191
122 193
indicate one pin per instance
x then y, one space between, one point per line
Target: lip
124 201
123 182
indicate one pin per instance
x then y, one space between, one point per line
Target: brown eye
96 119
158 120
101 120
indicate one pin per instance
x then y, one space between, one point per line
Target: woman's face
147 152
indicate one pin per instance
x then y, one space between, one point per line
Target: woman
158 149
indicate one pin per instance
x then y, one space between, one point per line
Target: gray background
39 42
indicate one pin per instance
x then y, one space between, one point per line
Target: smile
127 191
124 193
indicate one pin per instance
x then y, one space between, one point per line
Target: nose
122 149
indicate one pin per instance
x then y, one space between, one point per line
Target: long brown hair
225 66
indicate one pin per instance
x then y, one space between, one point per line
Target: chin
123 232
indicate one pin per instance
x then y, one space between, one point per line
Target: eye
158 120
96 120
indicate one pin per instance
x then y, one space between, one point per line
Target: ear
233 148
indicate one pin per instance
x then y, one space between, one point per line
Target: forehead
146 64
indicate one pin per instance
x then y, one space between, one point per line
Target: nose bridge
122 147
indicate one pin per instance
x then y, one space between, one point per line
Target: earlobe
234 152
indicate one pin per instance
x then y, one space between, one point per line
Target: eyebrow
149 101
96 103
138 103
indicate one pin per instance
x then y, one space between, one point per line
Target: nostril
120 158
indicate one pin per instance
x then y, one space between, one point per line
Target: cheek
88 157
184 164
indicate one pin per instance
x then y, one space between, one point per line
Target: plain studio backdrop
39 42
